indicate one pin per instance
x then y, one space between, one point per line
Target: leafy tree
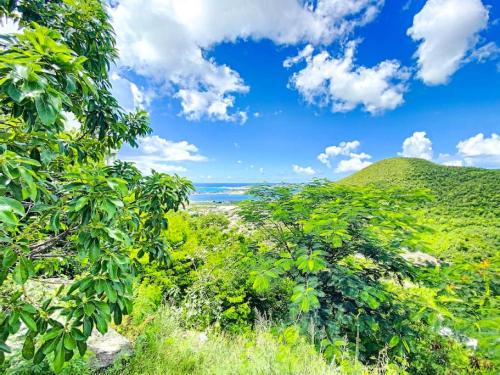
342 249
59 201
465 238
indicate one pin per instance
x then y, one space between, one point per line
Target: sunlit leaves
305 297
10 210
339 248
61 208
312 262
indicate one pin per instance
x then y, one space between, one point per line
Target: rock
419 258
107 348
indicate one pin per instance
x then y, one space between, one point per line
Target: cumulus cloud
417 146
155 152
129 95
480 150
167 41
344 85
146 164
197 104
446 30
304 54
479 145
308 171
355 162
351 165
169 150
343 148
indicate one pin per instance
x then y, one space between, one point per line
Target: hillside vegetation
465 235
458 191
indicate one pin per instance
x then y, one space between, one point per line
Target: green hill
465 235
458 191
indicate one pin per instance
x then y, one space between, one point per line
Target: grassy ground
166 348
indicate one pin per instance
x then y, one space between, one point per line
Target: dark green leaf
28 348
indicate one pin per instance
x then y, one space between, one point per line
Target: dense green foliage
341 249
61 208
466 237
304 279
457 191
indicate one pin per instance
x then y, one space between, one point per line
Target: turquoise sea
220 192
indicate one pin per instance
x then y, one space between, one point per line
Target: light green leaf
12 205
394 341
28 320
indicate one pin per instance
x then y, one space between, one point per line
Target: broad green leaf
9 204
69 342
59 357
82 347
4 347
101 324
9 257
47 107
20 274
28 320
89 308
8 217
28 348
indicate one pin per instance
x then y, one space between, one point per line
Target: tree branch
40 247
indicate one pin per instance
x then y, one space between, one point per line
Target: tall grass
167 348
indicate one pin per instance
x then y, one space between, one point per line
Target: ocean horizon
222 191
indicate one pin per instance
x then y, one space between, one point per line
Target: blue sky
258 120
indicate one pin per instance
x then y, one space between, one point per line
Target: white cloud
343 148
351 165
128 94
166 41
308 171
449 160
446 30
304 54
341 83
454 163
355 162
148 163
261 170
480 150
197 104
478 145
169 150
158 153
489 51
417 146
